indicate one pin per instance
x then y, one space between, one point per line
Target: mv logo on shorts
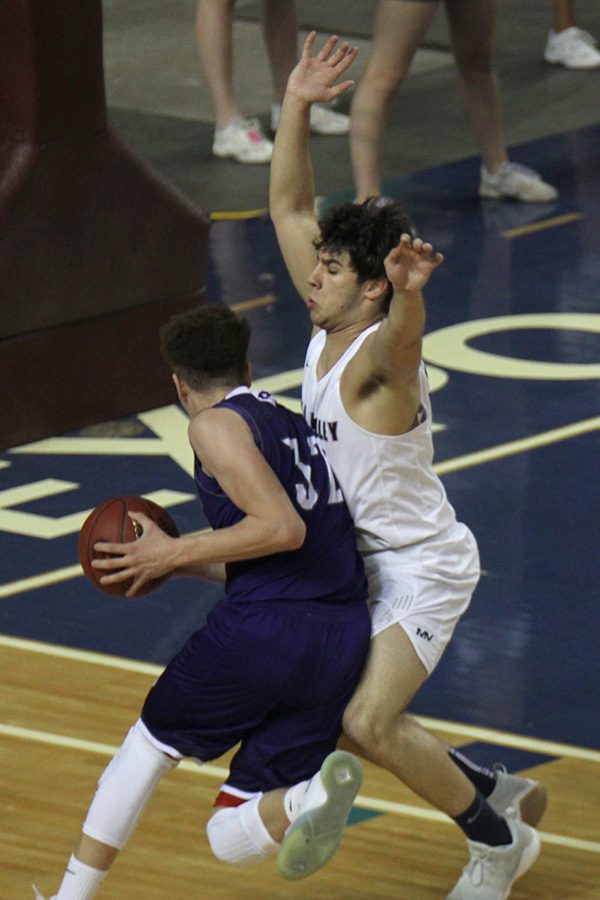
423 634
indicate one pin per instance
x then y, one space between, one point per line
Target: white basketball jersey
394 496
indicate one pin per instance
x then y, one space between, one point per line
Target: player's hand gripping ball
109 522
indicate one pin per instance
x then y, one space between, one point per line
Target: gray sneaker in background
517 796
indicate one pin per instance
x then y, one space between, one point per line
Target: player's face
334 293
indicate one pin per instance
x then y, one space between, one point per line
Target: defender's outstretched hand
315 77
409 265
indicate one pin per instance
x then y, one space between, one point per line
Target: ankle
484 780
495 166
221 123
80 881
480 823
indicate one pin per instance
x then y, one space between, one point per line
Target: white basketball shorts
425 588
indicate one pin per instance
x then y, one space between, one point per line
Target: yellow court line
44 579
555 222
247 214
252 304
473 732
553 436
451 465
374 803
54 576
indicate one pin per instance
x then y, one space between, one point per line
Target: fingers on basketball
110 522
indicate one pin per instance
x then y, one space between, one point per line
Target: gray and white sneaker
314 836
518 797
492 871
515 182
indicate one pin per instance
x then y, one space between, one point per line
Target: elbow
279 205
300 534
292 534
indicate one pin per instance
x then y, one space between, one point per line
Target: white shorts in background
425 588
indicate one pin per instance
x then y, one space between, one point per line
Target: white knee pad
237 834
125 787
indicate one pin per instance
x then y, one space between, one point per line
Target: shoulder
217 424
360 352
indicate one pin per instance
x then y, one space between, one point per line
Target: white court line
373 803
474 732
521 742
87 656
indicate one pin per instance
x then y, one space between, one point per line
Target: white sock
304 795
238 834
80 882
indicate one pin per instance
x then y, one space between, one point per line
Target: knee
380 732
474 64
377 87
373 728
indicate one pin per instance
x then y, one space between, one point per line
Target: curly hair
206 346
366 232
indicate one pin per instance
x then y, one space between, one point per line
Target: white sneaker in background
244 141
327 121
323 120
515 182
572 48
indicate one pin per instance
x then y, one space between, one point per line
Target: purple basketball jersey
327 568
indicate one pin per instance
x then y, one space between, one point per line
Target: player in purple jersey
279 657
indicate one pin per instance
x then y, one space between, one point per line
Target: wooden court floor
64 714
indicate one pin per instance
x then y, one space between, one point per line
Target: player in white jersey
361 273
421 563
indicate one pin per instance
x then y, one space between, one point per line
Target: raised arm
292 193
397 344
391 359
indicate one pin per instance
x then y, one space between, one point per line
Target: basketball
110 522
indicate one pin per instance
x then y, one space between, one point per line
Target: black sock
483 779
481 823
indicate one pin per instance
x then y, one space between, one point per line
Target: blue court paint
358 815
524 659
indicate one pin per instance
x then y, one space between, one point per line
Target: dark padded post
96 248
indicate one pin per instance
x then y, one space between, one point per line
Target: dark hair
366 232
206 346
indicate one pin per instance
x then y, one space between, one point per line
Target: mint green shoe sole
314 837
